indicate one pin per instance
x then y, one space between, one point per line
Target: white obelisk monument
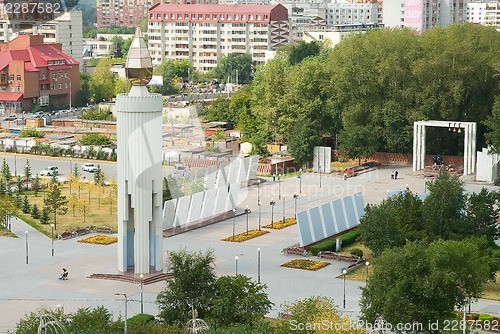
139 136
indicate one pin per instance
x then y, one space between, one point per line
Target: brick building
122 13
33 72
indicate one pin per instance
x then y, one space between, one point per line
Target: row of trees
369 90
432 256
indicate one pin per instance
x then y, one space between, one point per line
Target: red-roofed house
33 72
204 33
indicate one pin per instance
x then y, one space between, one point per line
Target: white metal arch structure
469 129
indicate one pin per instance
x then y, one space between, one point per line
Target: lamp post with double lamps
279 186
247 211
295 196
15 164
344 272
272 203
234 218
27 256
259 214
283 209
52 240
319 169
126 307
299 176
142 294
367 264
258 265
236 264
258 191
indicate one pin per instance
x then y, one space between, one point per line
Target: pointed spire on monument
139 66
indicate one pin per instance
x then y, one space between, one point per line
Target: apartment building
34 72
100 46
337 33
484 12
65 29
123 13
422 15
205 33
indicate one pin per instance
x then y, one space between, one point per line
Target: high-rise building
122 13
65 29
203 34
484 12
423 14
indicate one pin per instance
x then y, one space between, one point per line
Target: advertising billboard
413 17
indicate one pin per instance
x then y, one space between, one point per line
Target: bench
103 229
82 231
66 235
295 250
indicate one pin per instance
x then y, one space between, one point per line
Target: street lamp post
283 209
279 186
272 211
367 264
299 176
259 214
247 211
295 196
425 186
52 228
236 264
234 218
319 169
258 191
26 234
142 294
258 265
126 307
15 164
344 271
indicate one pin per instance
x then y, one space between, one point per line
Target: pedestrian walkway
27 286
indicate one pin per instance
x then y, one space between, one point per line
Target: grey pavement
27 287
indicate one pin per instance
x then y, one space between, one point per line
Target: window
18 88
243 17
200 16
60 86
214 16
65 85
54 75
65 74
11 77
53 86
18 77
60 74
4 88
12 88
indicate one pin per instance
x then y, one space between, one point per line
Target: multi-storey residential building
65 29
33 72
423 14
337 33
352 13
101 45
484 12
205 33
122 13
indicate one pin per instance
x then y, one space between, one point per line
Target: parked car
89 167
10 118
49 171
179 169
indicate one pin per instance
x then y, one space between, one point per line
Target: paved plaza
27 287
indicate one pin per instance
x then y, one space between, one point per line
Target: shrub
329 245
30 132
357 252
140 320
95 139
484 317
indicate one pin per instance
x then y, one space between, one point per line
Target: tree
26 204
166 70
191 287
35 213
315 310
250 301
6 174
358 142
122 86
302 50
392 223
76 172
99 176
235 68
126 46
73 203
36 184
219 110
94 138
102 82
115 49
443 209
424 283
83 96
493 136
55 201
44 219
27 171
54 179
481 215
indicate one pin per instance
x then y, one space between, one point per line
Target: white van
179 169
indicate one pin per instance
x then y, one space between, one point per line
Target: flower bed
100 240
305 264
281 224
245 236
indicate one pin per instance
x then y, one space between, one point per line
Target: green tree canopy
235 68
302 50
102 82
423 283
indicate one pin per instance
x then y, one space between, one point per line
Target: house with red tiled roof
32 72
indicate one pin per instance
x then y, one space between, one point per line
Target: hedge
329 245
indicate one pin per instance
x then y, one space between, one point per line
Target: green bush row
329 245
